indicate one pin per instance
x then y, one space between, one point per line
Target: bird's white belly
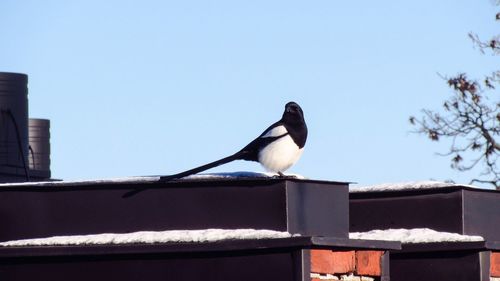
280 155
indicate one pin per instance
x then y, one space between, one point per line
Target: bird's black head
293 113
293 119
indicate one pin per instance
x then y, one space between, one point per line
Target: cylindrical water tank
39 142
13 110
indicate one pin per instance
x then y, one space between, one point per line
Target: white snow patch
146 179
324 276
415 235
405 186
350 277
149 237
78 182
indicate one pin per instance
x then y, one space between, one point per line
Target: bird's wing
274 132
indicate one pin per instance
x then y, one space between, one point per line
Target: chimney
13 127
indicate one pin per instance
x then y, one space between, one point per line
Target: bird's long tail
238 155
199 169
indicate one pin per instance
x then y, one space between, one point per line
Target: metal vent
39 144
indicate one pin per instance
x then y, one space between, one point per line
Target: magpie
277 148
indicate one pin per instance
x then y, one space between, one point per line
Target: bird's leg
279 175
283 176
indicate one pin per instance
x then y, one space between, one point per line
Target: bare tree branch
472 122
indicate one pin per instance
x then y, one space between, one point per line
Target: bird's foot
280 175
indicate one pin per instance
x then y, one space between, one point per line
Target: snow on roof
241 174
149 237
149 179
415 185
415 235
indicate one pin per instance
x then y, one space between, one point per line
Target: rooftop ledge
419 186
242 176
181 241
223 201
428 240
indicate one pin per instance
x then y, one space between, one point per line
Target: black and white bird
277 148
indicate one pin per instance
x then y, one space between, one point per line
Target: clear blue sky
157 87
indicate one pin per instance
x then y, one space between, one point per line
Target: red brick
327 261
369 263
495 264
